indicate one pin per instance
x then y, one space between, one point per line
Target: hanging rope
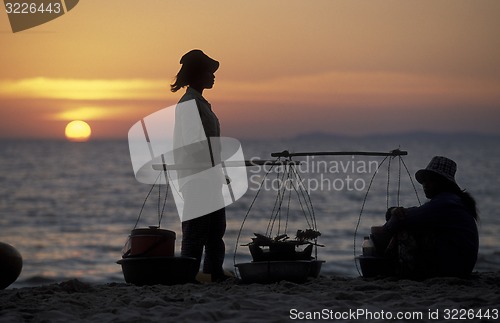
401 162
361 212
161 209
302 193
277 204
144 203
160 214
287 180
288 210
310 210
250 208
399 182
303 198
411 181
388 183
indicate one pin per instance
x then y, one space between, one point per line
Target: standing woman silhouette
207 231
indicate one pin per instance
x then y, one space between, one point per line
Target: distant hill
319 136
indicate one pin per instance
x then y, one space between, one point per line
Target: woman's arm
416 217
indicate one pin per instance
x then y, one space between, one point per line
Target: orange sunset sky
287 67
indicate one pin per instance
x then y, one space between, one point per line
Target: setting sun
78 130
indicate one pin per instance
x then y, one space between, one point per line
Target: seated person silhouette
439 238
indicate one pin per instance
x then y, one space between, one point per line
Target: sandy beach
325 298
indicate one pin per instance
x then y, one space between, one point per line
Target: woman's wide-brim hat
198 60
439 165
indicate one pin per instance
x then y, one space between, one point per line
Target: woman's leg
417 254
215 249
194 236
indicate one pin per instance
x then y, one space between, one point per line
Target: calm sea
69 207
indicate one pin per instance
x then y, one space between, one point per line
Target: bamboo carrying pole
393 153
242 163
285 154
